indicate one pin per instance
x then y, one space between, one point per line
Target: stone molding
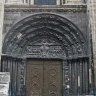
62 8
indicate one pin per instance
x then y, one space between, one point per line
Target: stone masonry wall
92 16
1 24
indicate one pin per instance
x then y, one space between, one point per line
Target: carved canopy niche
45 35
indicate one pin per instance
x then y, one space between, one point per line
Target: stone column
1 25
92 20
32 2
58 2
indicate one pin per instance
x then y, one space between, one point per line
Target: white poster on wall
4 83
4 77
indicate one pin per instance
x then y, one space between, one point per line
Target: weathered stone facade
92 20
80 13
1 24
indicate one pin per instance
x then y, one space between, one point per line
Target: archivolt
52 28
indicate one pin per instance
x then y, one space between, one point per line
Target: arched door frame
48 35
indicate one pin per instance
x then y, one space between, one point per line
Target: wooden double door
44 78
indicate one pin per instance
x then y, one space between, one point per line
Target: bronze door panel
52 78
34 82
44 78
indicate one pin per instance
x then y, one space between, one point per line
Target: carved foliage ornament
45 35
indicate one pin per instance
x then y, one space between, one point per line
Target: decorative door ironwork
74 74
44 78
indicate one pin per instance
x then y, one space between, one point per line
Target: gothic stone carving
44 34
